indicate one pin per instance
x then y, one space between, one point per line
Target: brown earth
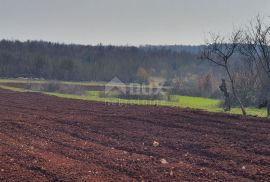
45 138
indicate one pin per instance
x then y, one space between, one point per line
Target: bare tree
256 46
220 50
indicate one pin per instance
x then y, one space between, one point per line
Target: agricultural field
143 91
48 138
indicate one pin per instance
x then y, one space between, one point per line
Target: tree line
53 61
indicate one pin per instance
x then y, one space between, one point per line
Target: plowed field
45 138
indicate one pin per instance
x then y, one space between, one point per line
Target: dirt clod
163 161
155 144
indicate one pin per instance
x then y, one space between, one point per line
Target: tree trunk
240 103
234 92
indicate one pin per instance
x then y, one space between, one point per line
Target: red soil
45 138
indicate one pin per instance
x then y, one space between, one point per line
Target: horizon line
97 44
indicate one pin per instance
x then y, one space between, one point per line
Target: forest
54 61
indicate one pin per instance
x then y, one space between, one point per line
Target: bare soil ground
45 138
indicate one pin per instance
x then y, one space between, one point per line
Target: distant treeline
54 61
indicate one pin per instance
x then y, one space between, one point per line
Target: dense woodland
38 59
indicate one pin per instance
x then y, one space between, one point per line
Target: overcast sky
121 22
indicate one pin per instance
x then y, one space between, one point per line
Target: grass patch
211 105
94 96
196 102
14 89
47 81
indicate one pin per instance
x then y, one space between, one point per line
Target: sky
125 22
